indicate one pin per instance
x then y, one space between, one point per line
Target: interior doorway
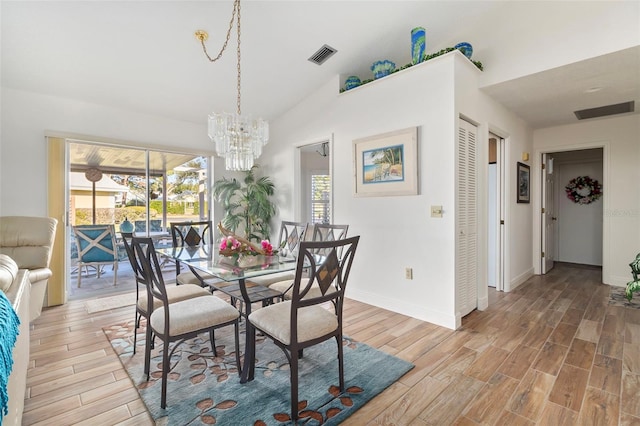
572 226
496 212
313 174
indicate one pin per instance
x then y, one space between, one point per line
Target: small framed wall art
387 164
524 182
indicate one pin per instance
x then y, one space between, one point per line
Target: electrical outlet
408 273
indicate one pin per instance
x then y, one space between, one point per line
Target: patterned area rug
617 298
204 389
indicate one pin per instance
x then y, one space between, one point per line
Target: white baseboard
520 279
401 307
618 280
483 303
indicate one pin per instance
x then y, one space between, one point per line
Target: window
320 198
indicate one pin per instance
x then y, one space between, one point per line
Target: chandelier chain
238 139
236 5
239 73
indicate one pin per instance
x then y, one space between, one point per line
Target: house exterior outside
81 197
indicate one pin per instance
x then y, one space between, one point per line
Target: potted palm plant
247 204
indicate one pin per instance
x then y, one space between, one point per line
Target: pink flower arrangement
230 246
267 247
230 243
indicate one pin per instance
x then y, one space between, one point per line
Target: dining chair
305 321
291 234
329 232
190 234
143 307
96 248
316 232
179 321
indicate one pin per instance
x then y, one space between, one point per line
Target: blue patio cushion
103 252
141 225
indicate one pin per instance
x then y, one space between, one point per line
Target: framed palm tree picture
387 164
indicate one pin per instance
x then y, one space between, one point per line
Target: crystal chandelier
239 139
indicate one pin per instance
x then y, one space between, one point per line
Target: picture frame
386 164
523 184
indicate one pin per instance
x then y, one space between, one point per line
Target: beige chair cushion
313 321
194 314
174 294
285 287
8 272
189 277
267 280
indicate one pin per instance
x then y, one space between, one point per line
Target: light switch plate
436 211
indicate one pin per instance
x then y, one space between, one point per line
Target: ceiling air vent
605 110
324 53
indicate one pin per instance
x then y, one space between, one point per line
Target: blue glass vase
465 48
351 82
382 68
126 226
418 44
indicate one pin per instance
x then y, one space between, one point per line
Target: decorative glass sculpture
465 48
418 44
351 82
382 68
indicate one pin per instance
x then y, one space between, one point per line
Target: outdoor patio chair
303 321
96 248
154 224
143 302
176 322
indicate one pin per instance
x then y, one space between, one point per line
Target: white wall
398 232
579 226
574 31
23 152
621 200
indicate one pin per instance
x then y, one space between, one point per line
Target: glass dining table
234 281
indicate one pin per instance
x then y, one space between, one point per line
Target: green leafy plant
633 286
247 204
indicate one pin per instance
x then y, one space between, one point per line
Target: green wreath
583 190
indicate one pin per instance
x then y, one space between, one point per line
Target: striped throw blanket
9 323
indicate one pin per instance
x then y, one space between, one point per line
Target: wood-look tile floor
552 352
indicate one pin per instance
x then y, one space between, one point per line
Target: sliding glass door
116 185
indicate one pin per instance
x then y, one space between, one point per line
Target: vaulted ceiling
142 55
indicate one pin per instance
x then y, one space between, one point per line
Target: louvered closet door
466 220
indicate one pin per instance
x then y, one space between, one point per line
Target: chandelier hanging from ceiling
239 139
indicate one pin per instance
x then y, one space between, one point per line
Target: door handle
554 218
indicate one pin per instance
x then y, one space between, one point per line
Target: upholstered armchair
29 242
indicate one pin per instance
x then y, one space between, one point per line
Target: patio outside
173 188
